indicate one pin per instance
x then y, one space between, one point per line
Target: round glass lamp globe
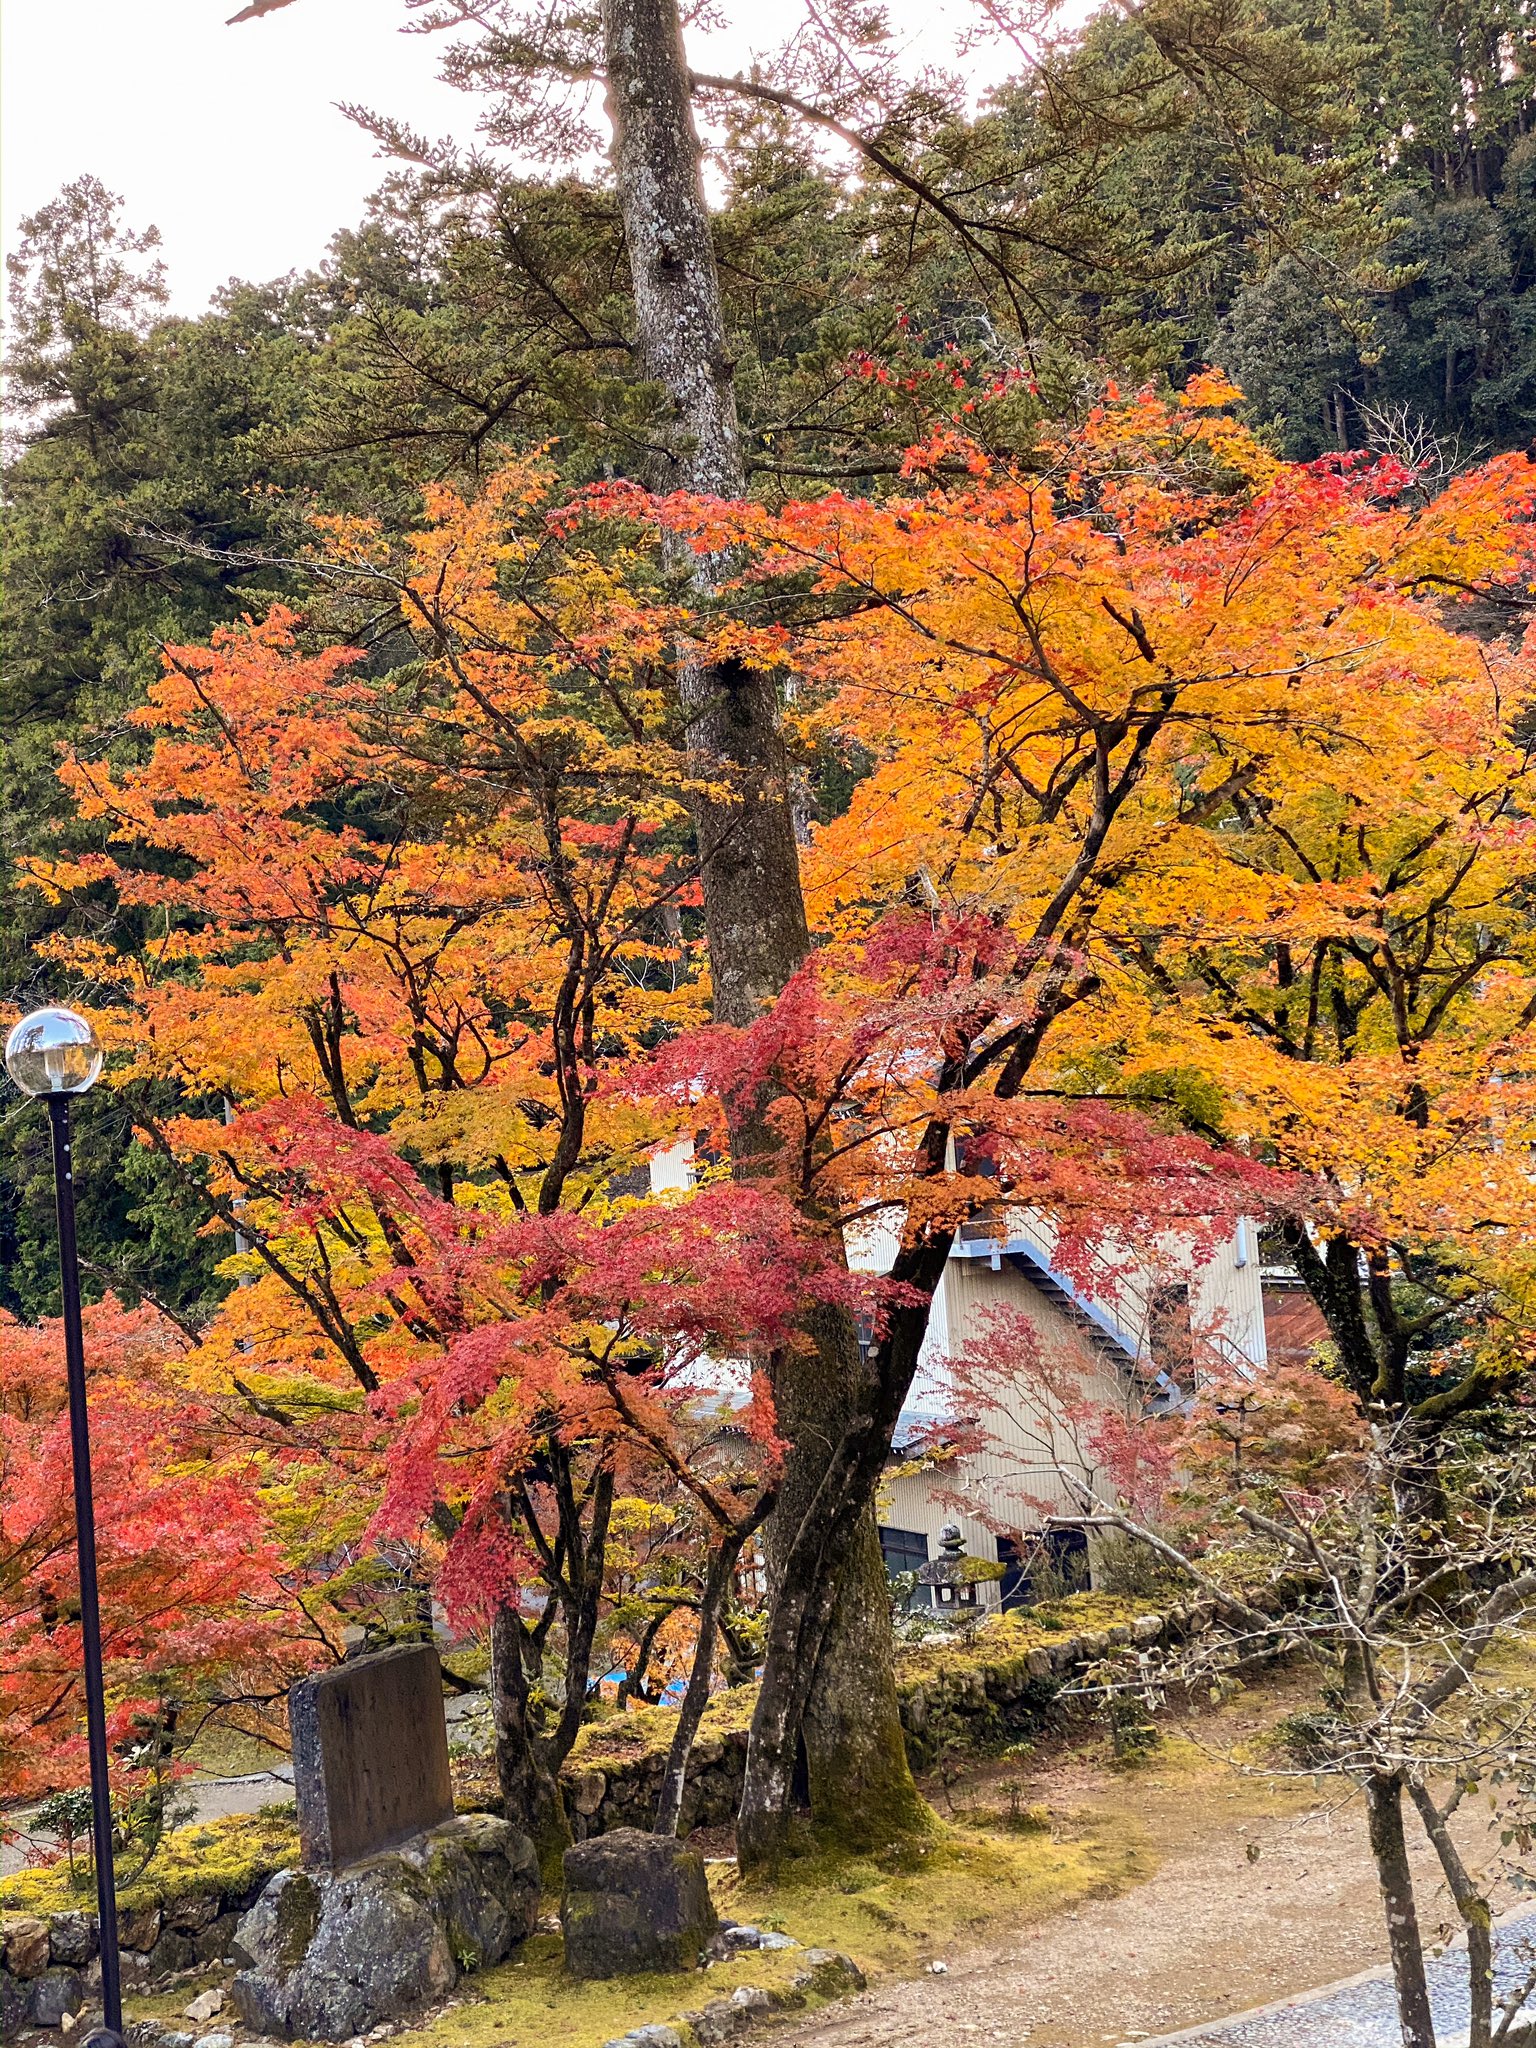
53 1052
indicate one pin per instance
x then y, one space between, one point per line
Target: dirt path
1260 1892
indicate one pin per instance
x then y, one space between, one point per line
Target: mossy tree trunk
757 931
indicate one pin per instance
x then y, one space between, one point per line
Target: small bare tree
1398 1611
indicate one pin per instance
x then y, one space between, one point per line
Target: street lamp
55 1054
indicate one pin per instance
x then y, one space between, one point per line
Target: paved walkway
1362 2012
210 1799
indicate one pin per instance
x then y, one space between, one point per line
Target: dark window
1014 1584
1062 1552
1068 1550
904 1550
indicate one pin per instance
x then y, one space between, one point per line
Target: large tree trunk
754 910
1384 1813
861 1790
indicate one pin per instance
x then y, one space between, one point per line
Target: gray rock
464 1870
73 1938
216 2040
377 1950
827 1974
586 1790
734 1939
55 1994
731 2019
648 2037
13 2006
329 1956
632 1903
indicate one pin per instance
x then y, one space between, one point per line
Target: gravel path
1363 2012
1244 1910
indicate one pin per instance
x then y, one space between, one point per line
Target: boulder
634 1903
26 1945
648 2037
72 1938
138 1928
55 1996
13 2006
331 1955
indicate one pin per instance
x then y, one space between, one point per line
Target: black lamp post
55 1054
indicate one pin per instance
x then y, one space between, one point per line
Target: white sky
228 139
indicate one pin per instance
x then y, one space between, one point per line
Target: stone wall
1003 1685
48 1961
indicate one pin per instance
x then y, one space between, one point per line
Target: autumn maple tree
409 931
1064 680
197 1613
426 959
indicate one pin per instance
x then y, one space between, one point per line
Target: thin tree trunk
717 1587
1476 1916
754 910
1384 1811
530 1790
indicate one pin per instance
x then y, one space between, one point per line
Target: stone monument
370 1755
397 1896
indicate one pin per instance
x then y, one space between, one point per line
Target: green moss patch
1003 1639
230 1856
891 1914
647 1731
529 2002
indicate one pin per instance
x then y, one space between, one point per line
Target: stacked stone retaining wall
49 1966
977 1695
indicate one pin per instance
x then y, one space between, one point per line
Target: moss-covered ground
889 1915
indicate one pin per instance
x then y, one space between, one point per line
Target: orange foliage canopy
432 936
